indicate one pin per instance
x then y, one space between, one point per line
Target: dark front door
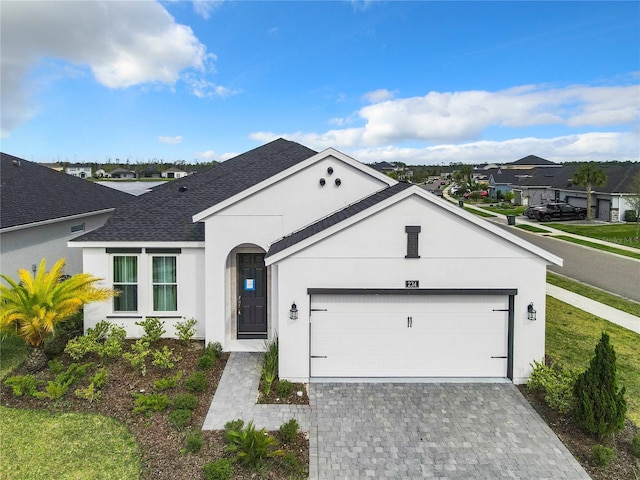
252 296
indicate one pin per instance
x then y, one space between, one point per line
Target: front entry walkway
404 430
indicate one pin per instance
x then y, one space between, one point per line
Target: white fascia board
125 244
415 190
56 220
329 152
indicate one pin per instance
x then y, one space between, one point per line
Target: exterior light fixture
293 313
531 312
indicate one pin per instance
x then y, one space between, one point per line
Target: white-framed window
164 280
77 228
125 282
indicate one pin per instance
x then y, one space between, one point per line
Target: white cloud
441 119
203 88
122 43
205 8
377 96
170 140
210 155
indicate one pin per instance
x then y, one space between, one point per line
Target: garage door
409 335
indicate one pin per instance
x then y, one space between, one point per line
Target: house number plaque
412 284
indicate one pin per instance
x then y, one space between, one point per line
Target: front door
252 296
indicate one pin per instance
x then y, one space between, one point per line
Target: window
165 284
125 281
77 228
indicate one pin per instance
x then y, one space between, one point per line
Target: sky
426 83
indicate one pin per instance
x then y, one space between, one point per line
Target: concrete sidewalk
611 314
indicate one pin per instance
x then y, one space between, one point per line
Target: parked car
481 193
530 212
560 211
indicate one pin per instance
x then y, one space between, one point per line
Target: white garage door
409 335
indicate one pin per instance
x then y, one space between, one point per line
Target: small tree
589 175
33 306
634 200
600 407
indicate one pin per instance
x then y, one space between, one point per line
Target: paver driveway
453 431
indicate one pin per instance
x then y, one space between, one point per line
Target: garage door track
453 431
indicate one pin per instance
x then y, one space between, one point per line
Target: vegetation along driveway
413 430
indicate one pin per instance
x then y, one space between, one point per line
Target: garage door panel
408 336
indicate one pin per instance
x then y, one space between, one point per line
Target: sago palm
32 306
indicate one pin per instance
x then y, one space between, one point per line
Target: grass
39 445
13 351
514 210
598 246
479 212
571 337
593 293
621 233
532 228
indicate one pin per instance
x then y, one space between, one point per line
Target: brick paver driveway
453 431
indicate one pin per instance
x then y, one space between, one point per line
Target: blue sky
418 82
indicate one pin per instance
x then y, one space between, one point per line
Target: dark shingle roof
619 177
532 160
165 214
31 192
336 218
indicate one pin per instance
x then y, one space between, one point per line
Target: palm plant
32 306
589 175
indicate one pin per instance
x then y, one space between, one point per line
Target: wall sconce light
293 313
531 312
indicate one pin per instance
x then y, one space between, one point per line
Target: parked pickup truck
560 211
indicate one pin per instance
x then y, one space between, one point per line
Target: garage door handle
318 356
500 357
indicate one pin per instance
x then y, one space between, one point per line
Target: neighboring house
79 170
530 161
609 202
359 275
102 173
150 173
41 209
503 181
174 173
384 167
122 173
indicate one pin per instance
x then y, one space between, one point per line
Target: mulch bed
160 443
298 396
625 467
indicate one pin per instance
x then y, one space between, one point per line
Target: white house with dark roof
357 274
42 209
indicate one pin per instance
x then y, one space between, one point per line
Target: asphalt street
607 271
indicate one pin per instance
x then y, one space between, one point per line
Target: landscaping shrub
196 382
22 384
53 390
635 445
232 426
187 401
602 455
138 357
56 366
165 358
214 349
289 430
186 330
284 388
150 402
193 441
600 407
100 378
105 339
252 446
630 216
292 465
153 329
168 382
556 382
180 418
91 393
270 364
209 356
73 373
218 470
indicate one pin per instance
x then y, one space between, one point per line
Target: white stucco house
42 209
359 275
79 170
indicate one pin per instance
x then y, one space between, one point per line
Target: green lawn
478 212
515 210
622 233
531 228
13 351
599 246
39 445
572 335
594 293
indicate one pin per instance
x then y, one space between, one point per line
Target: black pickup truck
560 211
